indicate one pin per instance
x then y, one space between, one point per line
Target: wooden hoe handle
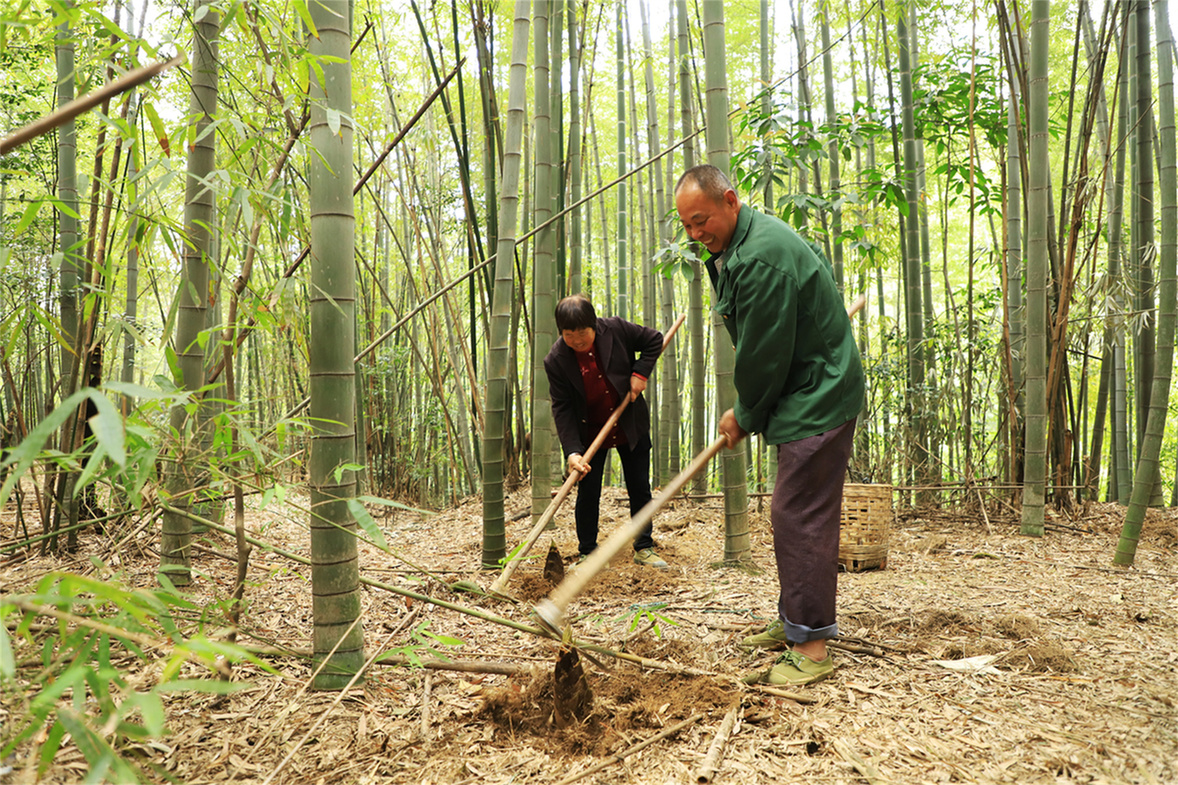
562 494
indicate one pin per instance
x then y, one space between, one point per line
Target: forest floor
1078 684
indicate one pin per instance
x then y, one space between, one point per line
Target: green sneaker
793 669
648 558
772 638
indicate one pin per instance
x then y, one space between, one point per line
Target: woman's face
579 340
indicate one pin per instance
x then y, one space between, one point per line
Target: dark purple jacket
615 347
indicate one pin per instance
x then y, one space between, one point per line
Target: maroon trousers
807 503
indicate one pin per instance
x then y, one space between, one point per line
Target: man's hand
731 429
637 386
578 465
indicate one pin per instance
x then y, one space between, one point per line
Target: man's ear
731 199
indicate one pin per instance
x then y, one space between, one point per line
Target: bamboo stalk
618 757
707 769
573 478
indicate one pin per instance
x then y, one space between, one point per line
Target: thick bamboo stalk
573 479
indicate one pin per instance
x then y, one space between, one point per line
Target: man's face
707 220
579 340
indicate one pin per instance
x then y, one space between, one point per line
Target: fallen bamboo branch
869 772
458 666
793 696
620 756
573 478
711 763
475 612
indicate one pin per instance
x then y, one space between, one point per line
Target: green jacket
798 372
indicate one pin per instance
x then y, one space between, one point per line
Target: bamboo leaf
29 215
157 127
305 16
135 390
7 660
367 523
50 747
107 426
151 707
92 468
23 455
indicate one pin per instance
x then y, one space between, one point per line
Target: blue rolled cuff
800 633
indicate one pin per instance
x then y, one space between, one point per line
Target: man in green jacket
799 382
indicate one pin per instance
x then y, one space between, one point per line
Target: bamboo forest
299 480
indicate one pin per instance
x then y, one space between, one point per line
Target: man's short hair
709 179
575 312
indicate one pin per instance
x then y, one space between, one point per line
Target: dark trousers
807 505
636 469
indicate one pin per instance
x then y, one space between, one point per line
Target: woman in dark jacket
588 368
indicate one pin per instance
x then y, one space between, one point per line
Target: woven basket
863 533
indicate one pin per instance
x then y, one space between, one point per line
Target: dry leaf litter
976 656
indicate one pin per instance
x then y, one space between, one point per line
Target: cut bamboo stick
711 763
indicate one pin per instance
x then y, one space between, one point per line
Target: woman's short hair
575 312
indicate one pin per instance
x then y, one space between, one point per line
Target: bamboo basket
863 530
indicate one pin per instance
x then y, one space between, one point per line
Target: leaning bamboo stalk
711 764
551 609
84 104
458 666
476 613
573 479
618 757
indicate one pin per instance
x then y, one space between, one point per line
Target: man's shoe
793 669
648 558
772 638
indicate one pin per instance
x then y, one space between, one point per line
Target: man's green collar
744 220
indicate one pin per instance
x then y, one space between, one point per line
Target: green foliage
780 146
675 257
422 643
638 614
83 674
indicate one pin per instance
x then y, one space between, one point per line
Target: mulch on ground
977 655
